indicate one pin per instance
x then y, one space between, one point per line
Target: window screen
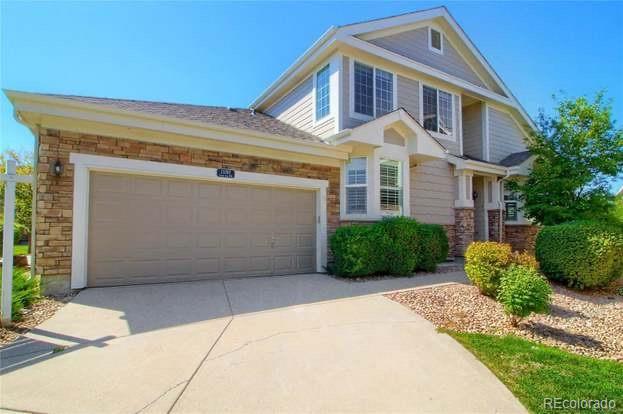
364 89
430 108
322 92
435 39
384 92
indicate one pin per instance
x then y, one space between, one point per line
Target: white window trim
343 202
315 92
351 107
430 40
84 164
454 120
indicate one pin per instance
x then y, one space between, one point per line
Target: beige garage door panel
151 229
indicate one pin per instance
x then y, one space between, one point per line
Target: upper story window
373 91
390 185
435 40
437 110
356 184
322 93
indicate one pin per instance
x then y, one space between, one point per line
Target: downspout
501 203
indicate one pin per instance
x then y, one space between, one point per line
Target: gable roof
348 35
211 115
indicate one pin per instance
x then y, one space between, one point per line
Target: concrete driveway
306 343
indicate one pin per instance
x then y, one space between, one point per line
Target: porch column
463 211
493 204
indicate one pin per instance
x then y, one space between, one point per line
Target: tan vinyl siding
432 192
296 108
409 95
413 44
472 130
505 136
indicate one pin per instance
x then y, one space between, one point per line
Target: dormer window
435 40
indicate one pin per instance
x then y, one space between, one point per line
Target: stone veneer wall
464 229
54 200
493 222
521 236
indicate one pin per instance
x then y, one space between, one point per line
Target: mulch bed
587 323
33 316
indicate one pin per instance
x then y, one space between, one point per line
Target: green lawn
19 249
534 372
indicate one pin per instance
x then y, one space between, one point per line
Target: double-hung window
373 91
357 186
390 186
510 207
437 109
322 93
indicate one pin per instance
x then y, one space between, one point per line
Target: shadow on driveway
99 315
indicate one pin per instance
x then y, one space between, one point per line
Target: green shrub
402 252
355 250
395 246
434 247
26 291
19 232
523 291
582 254
484 264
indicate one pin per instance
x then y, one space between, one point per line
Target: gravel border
37 313
587 323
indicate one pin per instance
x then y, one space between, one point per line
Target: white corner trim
486 140
85 163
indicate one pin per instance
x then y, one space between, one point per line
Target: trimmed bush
354 249
522 291
525 259
582 254
434 246
395 246
26 291
484 264
402 253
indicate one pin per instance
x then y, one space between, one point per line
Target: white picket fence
10 179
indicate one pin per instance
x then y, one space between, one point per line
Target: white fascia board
390 22
482 167
59 107
313 51
420 67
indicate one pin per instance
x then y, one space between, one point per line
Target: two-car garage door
145 229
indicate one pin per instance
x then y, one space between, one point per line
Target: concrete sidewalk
296 343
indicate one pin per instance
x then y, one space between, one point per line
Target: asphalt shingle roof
218 115
515 158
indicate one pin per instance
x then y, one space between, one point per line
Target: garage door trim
85 163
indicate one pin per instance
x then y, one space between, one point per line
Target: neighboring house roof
214 115
516 158
348 35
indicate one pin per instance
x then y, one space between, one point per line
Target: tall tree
578 151
23 191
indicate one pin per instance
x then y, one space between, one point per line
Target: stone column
493 217
492 206
463 211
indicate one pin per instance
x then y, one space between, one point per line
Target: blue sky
227 53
